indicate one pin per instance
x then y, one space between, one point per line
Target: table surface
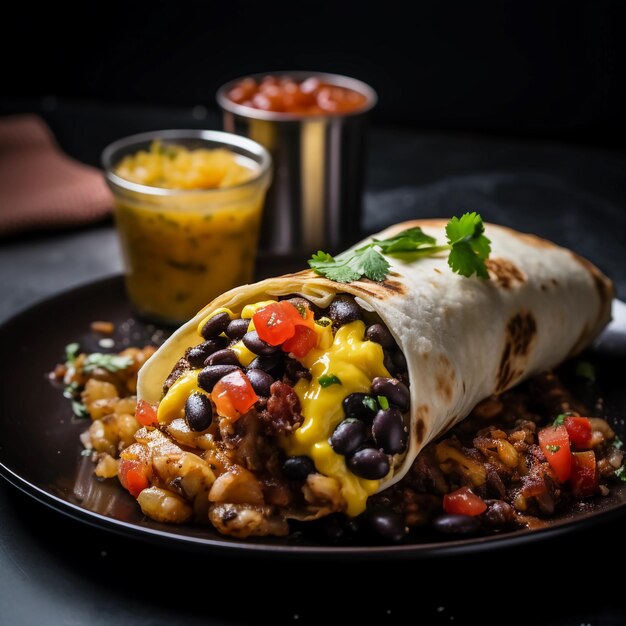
54 570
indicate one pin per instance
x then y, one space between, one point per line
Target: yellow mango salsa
197 238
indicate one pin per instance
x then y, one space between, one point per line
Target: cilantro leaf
553 449
469 246
617 442
338 269
620 473
109 362
328 379
372 264
406 241
345 268
559 420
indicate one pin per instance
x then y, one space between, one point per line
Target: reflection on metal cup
315 199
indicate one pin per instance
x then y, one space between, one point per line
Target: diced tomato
554 442
463 501
233 395
584 478
304 340
579 430
277 322
134 476
146 413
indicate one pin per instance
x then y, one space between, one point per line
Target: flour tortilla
464 339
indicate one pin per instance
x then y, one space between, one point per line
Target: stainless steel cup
315 199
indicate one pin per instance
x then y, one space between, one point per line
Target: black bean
360 406
200 353
333 527
223 357
399 360
273 364
389 431
298 467
215 326
343 310
237 329
348 437
390 366
387 524
198 412
261 382
369 463
456 524
255 344
209 376
379 333
294 370
396 392
499 513
302 304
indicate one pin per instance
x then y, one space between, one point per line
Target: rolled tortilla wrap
464 339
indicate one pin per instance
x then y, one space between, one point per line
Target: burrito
301 396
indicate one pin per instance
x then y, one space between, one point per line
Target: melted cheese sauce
356 362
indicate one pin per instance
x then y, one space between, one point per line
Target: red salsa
282 94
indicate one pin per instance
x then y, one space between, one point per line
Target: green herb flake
617 443
620 473
328 379
559 420
79 409
323 321
384 403
467 246
109 362
86 452
71 390
370 403
71 352
586 370
553 449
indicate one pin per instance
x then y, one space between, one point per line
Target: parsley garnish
553 449
468 249
384 403
370 403
617 442
620 472
109 362
328 379
559 420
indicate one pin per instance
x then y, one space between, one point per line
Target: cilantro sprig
467 245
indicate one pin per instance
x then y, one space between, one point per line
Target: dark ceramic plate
40 451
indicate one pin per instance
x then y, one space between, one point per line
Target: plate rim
245 548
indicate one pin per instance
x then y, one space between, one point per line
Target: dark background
551 69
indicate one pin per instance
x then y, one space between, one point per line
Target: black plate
40 451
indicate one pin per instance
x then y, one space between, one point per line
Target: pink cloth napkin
40 187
